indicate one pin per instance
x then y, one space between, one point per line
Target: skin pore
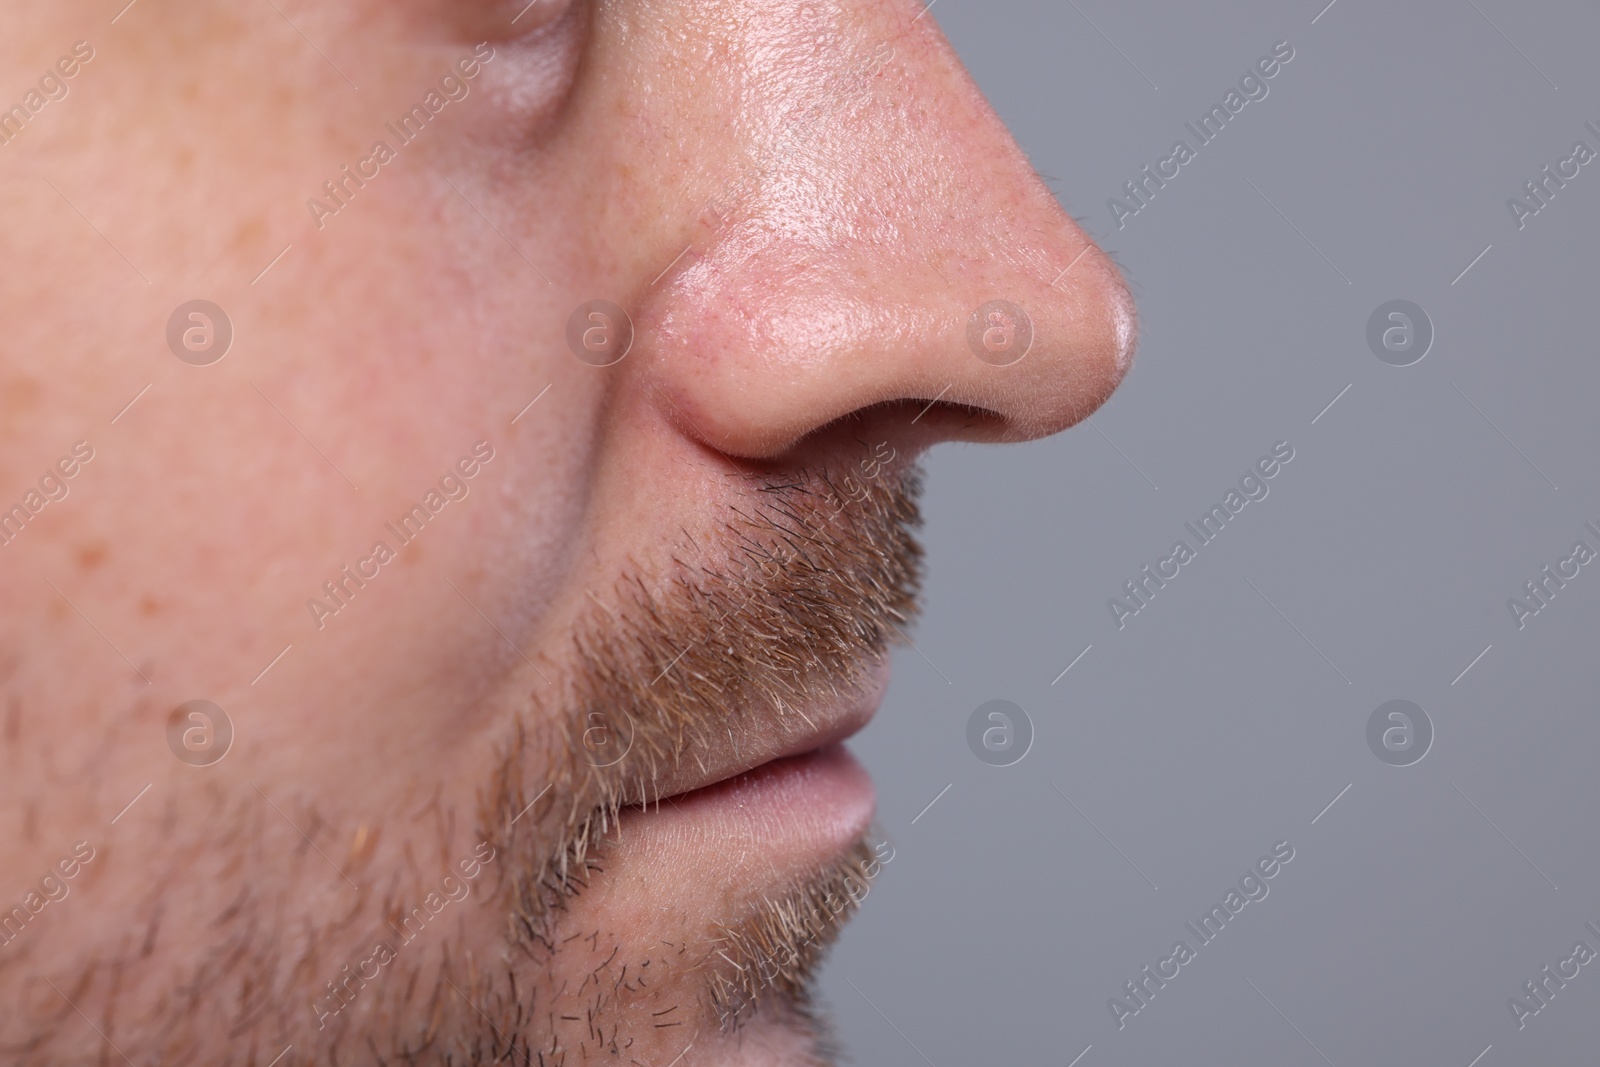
555 776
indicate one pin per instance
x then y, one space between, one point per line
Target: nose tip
1084 333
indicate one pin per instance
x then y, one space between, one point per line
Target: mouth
803 796
794 752
774 835
804 809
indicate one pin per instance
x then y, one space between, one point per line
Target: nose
857 229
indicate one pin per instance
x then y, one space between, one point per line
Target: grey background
1209 728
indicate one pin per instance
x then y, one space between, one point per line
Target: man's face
529 508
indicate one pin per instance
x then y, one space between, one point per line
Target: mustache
798 590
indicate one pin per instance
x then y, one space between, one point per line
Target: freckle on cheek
91 556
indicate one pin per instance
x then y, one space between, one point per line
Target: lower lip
807 808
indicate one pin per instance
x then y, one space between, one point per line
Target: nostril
910 417
910 426
940 408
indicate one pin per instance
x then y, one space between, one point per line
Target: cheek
381 400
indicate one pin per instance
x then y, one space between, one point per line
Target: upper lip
771 734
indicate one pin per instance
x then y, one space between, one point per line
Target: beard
796 596
791 596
